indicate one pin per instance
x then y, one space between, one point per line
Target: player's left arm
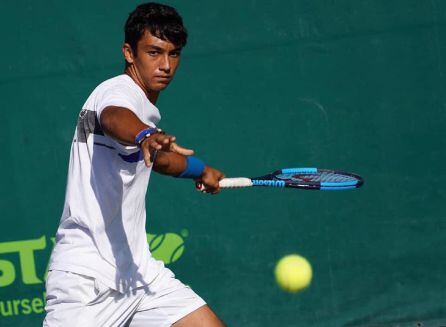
175 164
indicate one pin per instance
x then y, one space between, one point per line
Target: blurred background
263 85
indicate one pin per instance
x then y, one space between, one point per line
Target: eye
153 53
175 54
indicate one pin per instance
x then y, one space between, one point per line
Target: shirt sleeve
119 96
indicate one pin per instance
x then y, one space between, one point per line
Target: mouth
163 79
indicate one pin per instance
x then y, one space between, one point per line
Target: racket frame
272 180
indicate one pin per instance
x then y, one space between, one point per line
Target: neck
134 75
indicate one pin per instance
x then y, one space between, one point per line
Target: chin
159 87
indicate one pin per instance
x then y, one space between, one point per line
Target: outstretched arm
170 159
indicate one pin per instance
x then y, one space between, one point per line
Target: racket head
311 179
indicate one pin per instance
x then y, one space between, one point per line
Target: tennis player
101 271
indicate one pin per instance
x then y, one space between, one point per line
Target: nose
165 64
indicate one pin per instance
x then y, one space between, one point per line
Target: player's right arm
123 125
173 164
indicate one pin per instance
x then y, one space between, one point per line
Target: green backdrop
354 85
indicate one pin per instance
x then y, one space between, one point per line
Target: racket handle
229 183
235 182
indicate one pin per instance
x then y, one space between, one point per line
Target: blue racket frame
310 179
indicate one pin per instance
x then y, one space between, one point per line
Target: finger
165 141
159 138
146 155
212 188
216 189
212 183
155 145
163 137
180 150
169 136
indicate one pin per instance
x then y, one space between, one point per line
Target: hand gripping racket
302 178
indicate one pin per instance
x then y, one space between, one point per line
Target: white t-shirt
102 229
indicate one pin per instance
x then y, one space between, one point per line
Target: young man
101 271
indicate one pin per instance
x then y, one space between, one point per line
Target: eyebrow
154 47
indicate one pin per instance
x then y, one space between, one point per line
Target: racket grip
235 182
229 183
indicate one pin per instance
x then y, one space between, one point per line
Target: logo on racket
261 182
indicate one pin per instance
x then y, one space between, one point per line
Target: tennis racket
301 178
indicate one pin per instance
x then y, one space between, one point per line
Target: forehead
148 40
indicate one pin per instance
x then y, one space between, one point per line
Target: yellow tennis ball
293 273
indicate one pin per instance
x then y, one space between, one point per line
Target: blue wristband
194 168
146 133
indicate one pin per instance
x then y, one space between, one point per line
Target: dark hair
160 20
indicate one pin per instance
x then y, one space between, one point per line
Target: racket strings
319 177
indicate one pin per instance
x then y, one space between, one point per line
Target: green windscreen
357 86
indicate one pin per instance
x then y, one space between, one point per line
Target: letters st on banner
26 256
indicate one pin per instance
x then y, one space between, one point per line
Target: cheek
147 67
174 64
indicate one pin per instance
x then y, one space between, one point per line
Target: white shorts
77 300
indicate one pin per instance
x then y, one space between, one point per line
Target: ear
128 53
